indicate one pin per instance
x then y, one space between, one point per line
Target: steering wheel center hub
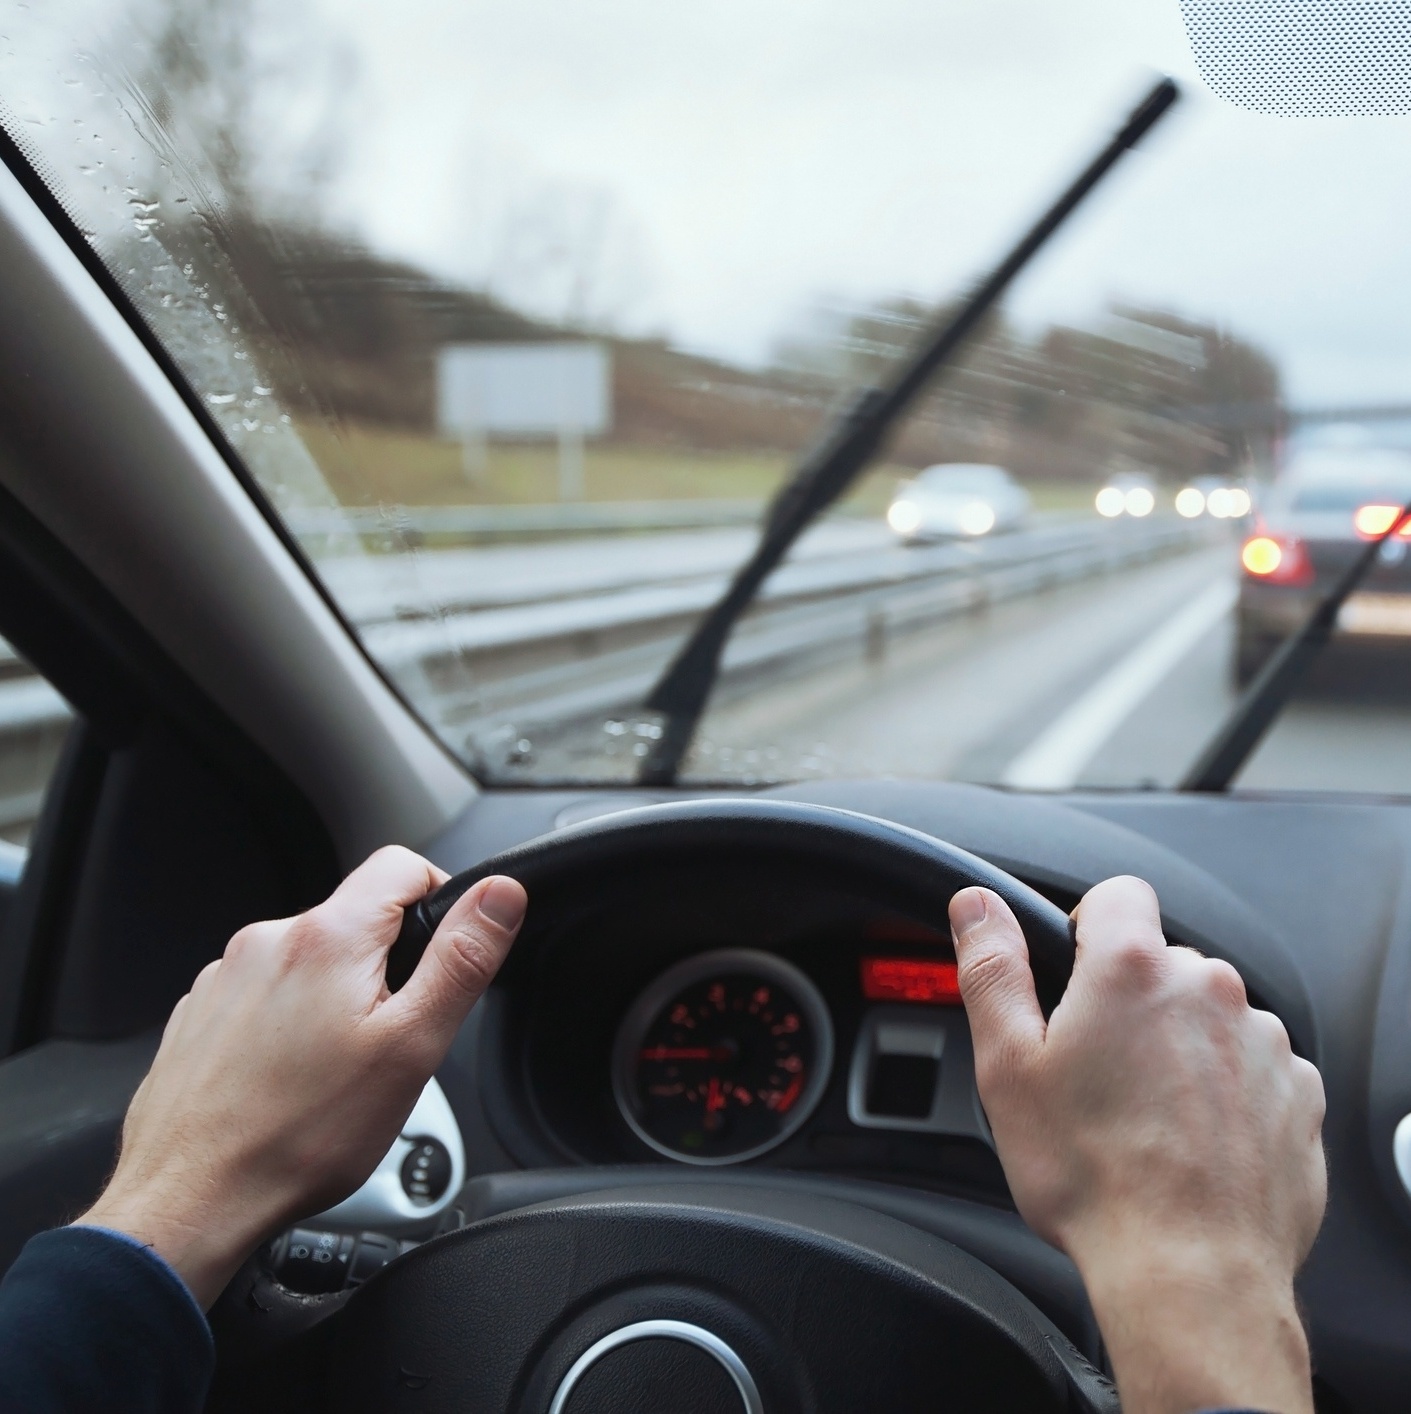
653 1365
707 1298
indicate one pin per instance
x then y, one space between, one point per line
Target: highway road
1112 682
1105 667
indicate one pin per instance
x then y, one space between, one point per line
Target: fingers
364 913
461 959
1116 920
995 980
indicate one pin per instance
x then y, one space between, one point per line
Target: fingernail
968 909
503 902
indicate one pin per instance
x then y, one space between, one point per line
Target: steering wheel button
426 1170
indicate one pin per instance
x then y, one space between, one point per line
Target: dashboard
829 1039
750 1027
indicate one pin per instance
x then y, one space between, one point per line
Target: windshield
519 312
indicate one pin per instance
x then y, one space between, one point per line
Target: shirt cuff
93 1319
170 1273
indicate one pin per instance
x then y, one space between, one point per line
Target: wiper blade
1253 715
681 693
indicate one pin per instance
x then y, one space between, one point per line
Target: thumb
462 958
995 981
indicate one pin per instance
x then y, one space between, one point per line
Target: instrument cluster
846 1050
723 1057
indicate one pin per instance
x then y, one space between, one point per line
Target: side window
33 722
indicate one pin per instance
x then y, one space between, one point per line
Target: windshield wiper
1253 715
682 691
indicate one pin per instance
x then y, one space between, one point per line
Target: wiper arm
682 691
1233 744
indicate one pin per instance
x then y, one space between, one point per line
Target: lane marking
1056 757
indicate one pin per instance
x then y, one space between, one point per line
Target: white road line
1056 757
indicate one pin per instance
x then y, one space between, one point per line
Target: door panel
62 1104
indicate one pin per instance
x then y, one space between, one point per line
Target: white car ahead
957 500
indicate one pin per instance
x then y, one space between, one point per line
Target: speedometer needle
686 1053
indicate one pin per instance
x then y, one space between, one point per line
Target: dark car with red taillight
1324 507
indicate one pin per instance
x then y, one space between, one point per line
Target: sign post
563 390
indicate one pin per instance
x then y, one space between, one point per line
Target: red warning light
910 979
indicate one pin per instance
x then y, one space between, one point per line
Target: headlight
1139 501
1221 503
1191 503
976 518
904 517
1240 504
1110 502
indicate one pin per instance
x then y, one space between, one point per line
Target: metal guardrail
554 518
550 666
549 660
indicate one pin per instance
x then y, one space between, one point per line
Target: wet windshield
518 313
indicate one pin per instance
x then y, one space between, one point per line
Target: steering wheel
708 1296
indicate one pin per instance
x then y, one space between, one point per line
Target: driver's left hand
286 1073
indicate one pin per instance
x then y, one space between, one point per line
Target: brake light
1277 559
1373 521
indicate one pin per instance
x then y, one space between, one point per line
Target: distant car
957 500
1129 493
1214 496
1311 525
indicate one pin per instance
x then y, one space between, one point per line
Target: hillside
358 334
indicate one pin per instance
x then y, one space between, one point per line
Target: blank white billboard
523 390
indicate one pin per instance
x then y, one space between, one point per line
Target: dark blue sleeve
92 1320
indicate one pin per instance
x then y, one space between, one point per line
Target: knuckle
1274 1032
396 861
471 959
1310 1081
1125 893
1137 960
204 977
981 970
1223 984
254 937
305 936
393 854
1135 888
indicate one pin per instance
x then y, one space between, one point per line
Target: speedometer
723 1057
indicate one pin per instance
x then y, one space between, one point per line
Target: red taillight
1374 521
1276 559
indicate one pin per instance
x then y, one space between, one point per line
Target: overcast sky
757 157
719 168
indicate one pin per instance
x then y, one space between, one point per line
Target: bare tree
252 98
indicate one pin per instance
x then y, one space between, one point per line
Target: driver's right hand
1161 1131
